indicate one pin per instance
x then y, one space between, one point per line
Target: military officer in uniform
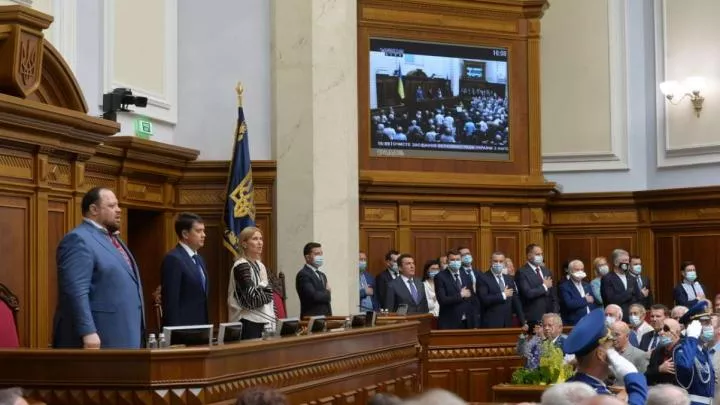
693 363
591 341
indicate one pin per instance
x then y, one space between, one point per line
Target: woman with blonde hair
250 298
600 264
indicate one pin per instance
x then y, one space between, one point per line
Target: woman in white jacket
430 270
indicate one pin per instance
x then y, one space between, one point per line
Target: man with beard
100 303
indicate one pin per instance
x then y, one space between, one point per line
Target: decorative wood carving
351 364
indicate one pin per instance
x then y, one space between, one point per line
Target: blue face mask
497 268
454 265
433 273
318 261
362 266
664 341
708 333
467 259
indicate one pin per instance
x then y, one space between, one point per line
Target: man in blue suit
184 275
454 292
367 286
576 299
100 302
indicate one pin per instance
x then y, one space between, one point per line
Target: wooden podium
326 368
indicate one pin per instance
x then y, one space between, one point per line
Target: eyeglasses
666 328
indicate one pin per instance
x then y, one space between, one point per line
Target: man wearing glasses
591 341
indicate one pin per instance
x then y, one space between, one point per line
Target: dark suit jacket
681 297
535 300
314 297
574 306
184 296
653 374
382 281
498 311
645 341
98 292
452 305
647 302
614 292
399 293
474 275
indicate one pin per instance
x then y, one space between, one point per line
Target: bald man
661 368
622 345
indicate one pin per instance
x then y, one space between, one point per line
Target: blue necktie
413 291
196 259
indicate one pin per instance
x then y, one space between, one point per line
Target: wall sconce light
692 87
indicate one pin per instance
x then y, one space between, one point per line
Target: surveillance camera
119 100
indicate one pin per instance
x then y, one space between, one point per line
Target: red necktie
539 273
122 251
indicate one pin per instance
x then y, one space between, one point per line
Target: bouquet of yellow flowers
551 368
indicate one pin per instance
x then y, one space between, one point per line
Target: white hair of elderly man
571 393
436 396
667 394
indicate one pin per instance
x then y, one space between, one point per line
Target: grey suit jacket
637 357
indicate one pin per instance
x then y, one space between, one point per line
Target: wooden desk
518 393
328 368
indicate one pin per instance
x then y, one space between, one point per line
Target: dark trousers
251 330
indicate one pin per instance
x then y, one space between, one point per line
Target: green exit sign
143 128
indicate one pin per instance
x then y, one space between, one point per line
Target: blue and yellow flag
401 87
240 200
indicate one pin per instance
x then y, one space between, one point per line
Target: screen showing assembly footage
438 100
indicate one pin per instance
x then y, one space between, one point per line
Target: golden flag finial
239 89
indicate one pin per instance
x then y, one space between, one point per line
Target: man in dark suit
466 261
184 275
498 294
689 291
453 289
576 295
407 289
388 275
535 283
100 302
658 314
643 282
618 287
311 284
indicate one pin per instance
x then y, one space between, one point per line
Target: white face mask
579 275
603 270
538 260
635 320
609 320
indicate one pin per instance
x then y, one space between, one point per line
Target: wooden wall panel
376 243
667 271
572 247
58 219
427 245
607 243
219 262
704 251
507 242
15 248
146 241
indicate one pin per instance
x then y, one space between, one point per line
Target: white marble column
314 78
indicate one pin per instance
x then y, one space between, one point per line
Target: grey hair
617 307
9 396
437 396
616 255
570 393
572 264
679 310
667 394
